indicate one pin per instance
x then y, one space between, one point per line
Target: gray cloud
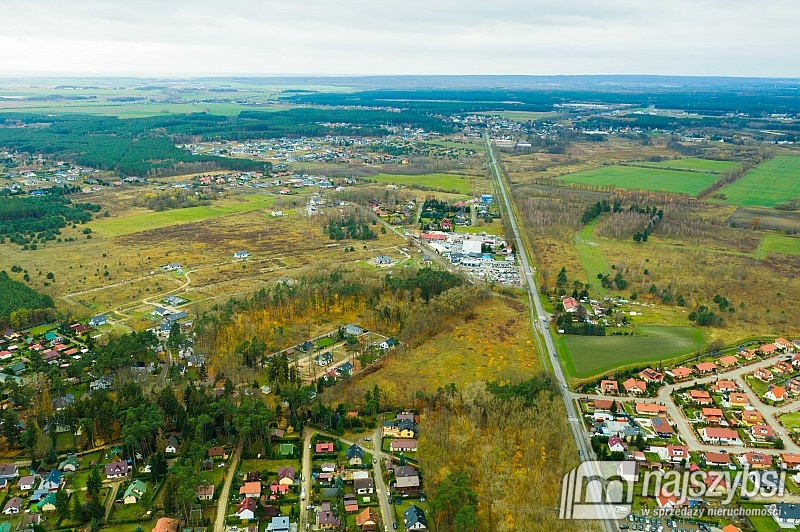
180 37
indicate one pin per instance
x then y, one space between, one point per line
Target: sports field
587 356
691 163
766 185
446 182
153 220
591 256
644 179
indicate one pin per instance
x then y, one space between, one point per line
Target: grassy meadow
460 184
779 244
146 220
768 184
690 164
591 256
656 179
588 356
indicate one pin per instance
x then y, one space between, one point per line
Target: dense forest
23 219
146 146
705 101
493 456
19 304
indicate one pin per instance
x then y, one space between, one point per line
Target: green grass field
494 228
779 244
690 163
153 220
445 182
591 256
766 185
644 179
587 356
790 420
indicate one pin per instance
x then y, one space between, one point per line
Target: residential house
26 483
790 461
98 320
407 484
383 260
605 404
651 375
700 397
205 492
785 514
166 524
751 417
570 305
757 460
326 520
726 361
723 386
117 469
286 476
216 452
768 349
776 394
712 416
649 409
353 330
8 471
634 387
134 492
738 400
367 520
783 344
782 367
328 467
251 489
661 427
796 360
172 445
719 435
670 501
13 506
677 453
241 255
389 343
747 354
610 386
52 481
246 509
69 464
705 367
278 489
364 486
355 455
793 386
414 518
616 444
712 459
324 448
762 433
403 445
680 373
279 524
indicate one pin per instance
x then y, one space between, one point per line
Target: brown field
785 221
494 343
280 247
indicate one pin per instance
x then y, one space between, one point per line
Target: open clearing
153 220
493 343
446 182
520 115
591 256
588 356
766 185
629 177
690 163
779 244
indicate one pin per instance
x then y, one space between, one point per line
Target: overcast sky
371 37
